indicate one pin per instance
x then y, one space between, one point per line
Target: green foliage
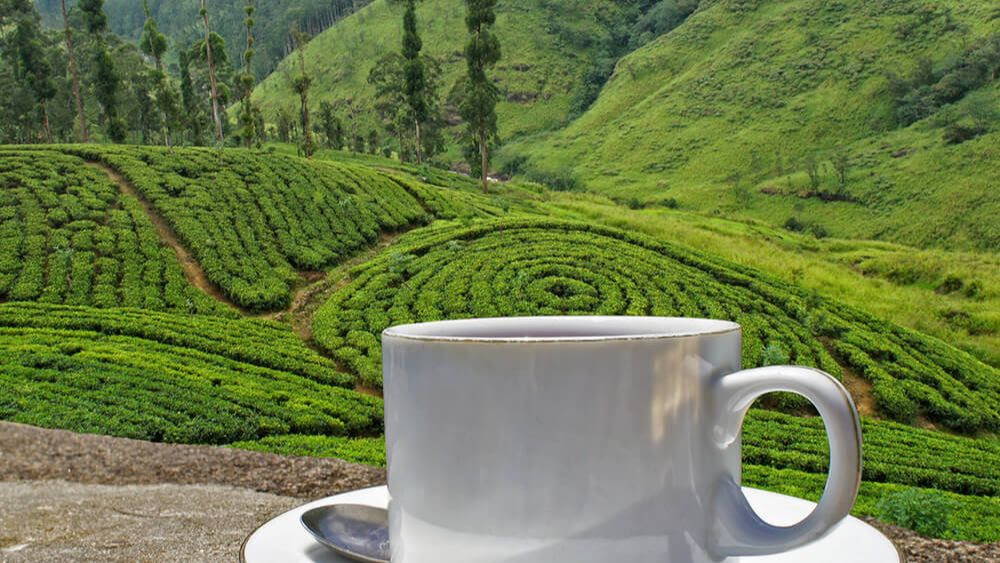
894 453
546 267
69 236
331 126
925 512
928 89
153 43
274 19
166 377
193 117
536 79
479 94
974 518
26 51
93 15
252 221
369 451
106 85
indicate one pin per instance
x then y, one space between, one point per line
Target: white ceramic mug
588 439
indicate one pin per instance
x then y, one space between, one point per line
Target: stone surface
60 521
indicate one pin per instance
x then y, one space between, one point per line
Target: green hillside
724 113
547 47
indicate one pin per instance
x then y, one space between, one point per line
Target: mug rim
595 328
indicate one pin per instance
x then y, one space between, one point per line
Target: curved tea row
542 267
168 377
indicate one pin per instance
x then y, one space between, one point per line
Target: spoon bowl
355 531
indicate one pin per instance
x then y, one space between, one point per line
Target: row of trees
77 84
87 77
408 101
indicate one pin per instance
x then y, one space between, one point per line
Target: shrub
793 224
925 512
179 378
960 132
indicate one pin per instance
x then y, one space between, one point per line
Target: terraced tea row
68 236
894 453
167 377
541 267
253 220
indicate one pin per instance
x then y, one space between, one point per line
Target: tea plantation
541 266
252 220
68 236
101 332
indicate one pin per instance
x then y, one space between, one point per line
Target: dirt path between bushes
192 269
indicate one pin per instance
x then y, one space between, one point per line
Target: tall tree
153 44
31 66
414 76
388 79
106 79
74 74
332 128
192 117
478 106
248 121
216 116
301 85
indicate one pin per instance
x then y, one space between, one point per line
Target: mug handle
740 531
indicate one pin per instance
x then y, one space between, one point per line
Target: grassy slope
741 82
536 63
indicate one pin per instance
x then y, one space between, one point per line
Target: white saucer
284 539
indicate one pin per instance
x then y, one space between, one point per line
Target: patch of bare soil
859 387
30 453
192 269
915 548
317 288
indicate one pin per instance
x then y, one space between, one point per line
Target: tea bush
167 377
530 266
893 453
925 512
68 236
970 517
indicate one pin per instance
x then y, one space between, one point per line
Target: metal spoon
355 531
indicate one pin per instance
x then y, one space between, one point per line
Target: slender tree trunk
307 139
420 145
75 77
484 155
211 75
45 122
